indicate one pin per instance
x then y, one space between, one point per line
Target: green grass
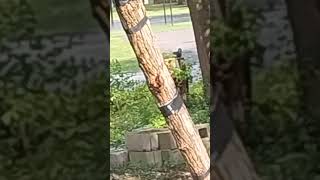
55 16
58 16
121 49
157 10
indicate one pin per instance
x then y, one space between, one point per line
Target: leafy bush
287 146
17 19
236 34
46 135
275 95
183 73
197 103
133 106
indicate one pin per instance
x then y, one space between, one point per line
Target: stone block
119 158
172 156
204 130
150 158
139 141
166 140
206 142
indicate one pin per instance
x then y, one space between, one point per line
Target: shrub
17 19
133 106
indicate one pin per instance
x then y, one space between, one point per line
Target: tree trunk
101 11
237 86
305 20
231 161
228 98
235 163
200 17
162 86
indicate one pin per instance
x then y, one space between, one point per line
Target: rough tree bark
162 87
305 20
232 161
200 17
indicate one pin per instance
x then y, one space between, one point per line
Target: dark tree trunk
200 17
229 97
237 86
232 161
101 12
305 20
163 88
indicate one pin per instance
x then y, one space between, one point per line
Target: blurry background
53 85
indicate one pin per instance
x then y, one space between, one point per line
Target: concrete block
157 157
172 156
119 158
150 158
206 142
166 140
204 130
139 141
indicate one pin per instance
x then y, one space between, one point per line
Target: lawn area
57 16
121 50
157 10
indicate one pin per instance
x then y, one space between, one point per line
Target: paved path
93 46
156 20
170 42
275 35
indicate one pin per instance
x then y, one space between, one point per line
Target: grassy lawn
57 16
157 10
121 50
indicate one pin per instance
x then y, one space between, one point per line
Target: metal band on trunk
172 106
121 2
138 27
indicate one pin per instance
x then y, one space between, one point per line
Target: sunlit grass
121 49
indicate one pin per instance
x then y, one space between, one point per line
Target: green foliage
53 136
133 106
183 73
48 134
158 121
236 34
16 19
287 146
276 94
198 104
282 144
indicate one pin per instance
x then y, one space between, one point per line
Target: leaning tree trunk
231 161
200 17
237 86
305 20
133 18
